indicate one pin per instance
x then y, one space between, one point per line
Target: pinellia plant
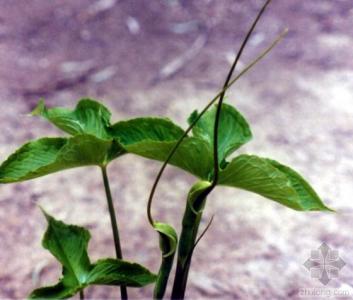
216 133
94 141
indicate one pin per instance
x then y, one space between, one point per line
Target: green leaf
95 142
58 291
49 155
309 199
68 243
154 138
145 130
117 272
272 180
193 155
233 130
89 117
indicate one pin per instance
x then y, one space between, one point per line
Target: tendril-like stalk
200 238
243 72
221 97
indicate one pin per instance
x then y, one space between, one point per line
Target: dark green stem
190 226
114 224
164 270
192 215
82 295
226 83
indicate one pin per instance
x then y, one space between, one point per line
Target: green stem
164 271
190 226
114 224
192 215
226 83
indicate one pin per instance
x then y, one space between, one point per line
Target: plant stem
82 295
226 83
163 274
190 226
114 224
192 217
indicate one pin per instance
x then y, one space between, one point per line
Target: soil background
169 58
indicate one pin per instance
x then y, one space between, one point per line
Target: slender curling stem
82 295
200 237
114 224
183 267
221 97
182 271
245 70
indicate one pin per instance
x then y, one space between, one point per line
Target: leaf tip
39 109
191 119
46 215
321 208
329 209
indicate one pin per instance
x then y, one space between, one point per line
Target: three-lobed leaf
97 142
195 153
68 244
154 138
94 141
271 180
91 117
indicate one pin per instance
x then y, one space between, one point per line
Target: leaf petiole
114 223
221 97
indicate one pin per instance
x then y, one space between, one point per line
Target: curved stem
245 70
200 238
114 224
221 97
191 222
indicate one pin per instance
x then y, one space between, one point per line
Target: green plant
224 130
68 244
94 141
217 132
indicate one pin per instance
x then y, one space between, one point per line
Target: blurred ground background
168 58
